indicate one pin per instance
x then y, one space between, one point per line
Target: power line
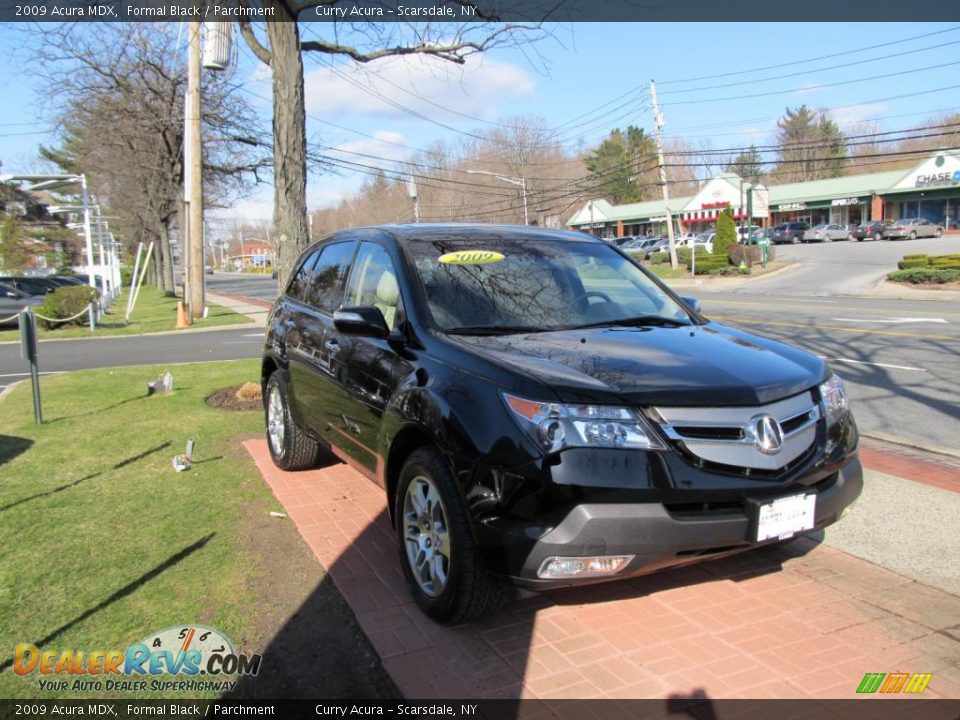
814 59
815 87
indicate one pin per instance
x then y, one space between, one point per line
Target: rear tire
878 237
938 233
290 447
913 234
452 586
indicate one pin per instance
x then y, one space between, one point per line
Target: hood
704 365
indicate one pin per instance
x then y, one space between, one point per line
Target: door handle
332 345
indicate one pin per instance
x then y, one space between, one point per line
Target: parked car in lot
704 242
871 230
825 233
541 410
38 286
644 245
12 301
790 232
745 231
913 228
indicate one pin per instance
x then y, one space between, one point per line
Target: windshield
535 285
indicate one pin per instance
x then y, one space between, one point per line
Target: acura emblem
767 434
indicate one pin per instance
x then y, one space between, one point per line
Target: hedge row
925 276
65 302
921 261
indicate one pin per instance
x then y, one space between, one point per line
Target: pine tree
811 146
726 236
618 166
748 165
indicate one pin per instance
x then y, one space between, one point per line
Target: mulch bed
226 399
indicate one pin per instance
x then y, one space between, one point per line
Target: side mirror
691 302
363 320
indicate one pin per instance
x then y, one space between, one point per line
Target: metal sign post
28 351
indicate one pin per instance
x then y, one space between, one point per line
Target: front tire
913 235
290 447
878 237
938 233
439 557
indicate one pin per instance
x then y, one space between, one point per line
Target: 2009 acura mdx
540 410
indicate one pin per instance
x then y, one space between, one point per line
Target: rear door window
303 278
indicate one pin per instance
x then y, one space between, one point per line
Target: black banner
466 11
668 709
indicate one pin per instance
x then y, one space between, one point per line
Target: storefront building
930 190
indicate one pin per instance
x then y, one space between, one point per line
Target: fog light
573 567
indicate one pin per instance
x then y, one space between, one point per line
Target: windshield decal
470 257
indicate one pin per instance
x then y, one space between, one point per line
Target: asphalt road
259 287
843 267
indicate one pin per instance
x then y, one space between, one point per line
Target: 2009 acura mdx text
542 411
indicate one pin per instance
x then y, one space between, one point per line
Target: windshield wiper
637 321
495 329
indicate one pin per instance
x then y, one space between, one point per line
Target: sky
584 80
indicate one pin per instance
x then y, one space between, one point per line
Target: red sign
707 206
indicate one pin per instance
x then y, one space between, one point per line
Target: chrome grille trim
738 447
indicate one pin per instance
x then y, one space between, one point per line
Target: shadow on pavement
486 659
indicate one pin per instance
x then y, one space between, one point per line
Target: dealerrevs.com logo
198 657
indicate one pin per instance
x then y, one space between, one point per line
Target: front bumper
659 538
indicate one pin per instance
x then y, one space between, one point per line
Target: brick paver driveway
801 620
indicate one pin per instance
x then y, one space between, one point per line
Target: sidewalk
254 309
803 620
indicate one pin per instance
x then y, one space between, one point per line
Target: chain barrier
63 320
3 321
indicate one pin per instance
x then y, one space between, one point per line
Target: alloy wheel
426 535
275 420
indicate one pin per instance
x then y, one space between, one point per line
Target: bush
659 258
749 254
726 236
684 254
912 263
66 302
925 276
914 257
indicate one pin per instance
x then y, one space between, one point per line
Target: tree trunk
162 253
169 284
289 139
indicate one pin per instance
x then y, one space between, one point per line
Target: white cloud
477 88
853 114
384 144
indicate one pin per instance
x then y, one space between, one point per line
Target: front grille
731 436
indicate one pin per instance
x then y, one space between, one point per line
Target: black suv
791 232
539 409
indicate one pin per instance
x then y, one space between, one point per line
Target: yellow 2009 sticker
470 257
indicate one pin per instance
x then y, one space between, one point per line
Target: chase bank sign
937 179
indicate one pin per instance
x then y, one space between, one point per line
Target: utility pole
194 264
658 122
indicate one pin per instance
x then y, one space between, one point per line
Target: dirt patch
311 643
926 286
226 399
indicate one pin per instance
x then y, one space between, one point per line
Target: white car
685 240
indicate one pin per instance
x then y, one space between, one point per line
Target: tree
623 167
120 93
360 42
726 236
810 146
748 165
12 254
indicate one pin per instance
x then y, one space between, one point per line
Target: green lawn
101 542
666 272
154 312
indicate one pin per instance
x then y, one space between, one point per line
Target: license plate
784 517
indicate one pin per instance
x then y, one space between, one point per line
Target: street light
516 181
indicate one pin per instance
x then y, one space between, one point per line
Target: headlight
836 407
554 426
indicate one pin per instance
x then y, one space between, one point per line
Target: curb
9 389
188 331
733 282
912 444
